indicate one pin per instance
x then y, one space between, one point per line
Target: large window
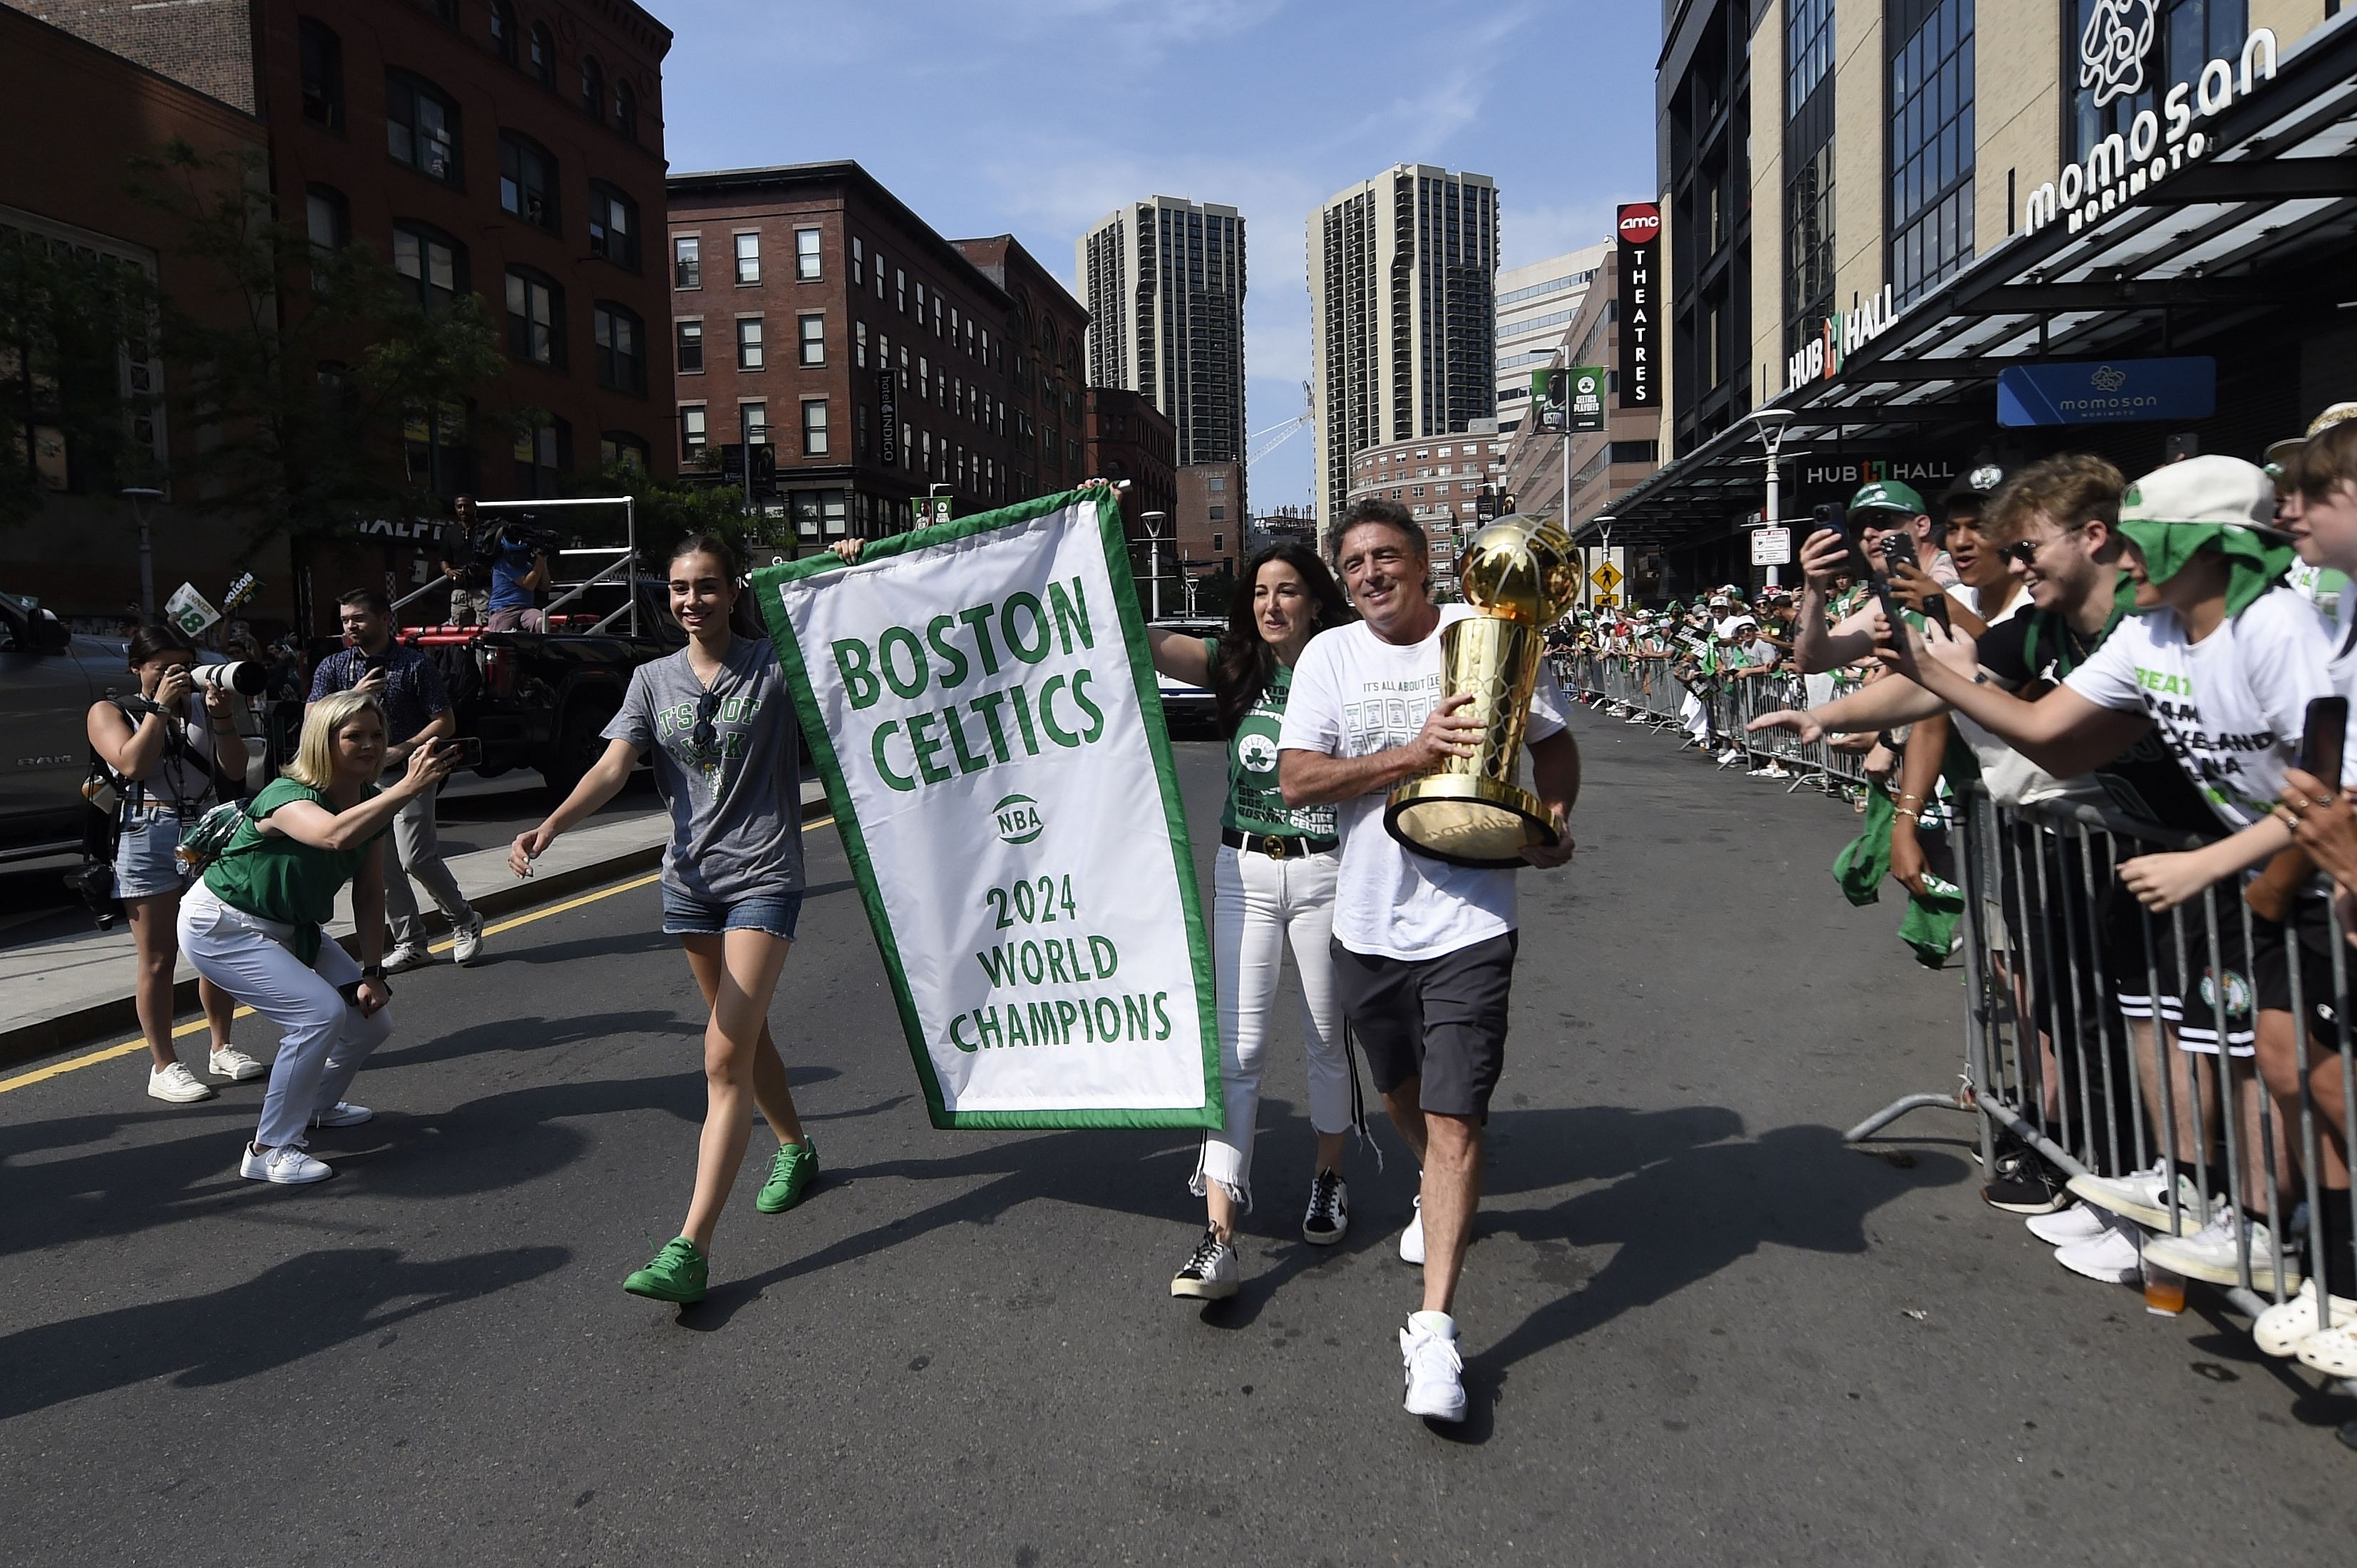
689 350
621 346
622 449
1808 166
593 89
814 427
753 421
323 74
749 258
806 254
528 180
543 55
613 226
626 110
421 126
2122 60
693 434
327 216
686 262
811 333
1931 164
435 449
542 451
749 343
536 319
435 263
503 30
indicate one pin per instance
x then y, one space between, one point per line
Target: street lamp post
1768 424
1603 520
139 495
1153 521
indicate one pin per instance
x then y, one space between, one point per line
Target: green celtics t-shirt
1253 804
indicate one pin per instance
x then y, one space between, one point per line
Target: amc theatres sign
1638 249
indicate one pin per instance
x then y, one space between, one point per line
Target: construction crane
1261 442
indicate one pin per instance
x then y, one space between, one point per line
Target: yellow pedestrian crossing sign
1605 577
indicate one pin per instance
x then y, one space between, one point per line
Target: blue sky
1037 117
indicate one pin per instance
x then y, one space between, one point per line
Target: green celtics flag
981 700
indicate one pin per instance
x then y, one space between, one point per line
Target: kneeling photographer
162 757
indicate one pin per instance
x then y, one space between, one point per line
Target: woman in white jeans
1274 886
253 925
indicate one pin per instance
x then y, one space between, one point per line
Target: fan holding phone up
1882 542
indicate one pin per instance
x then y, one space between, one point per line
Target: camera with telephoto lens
244 676
526 533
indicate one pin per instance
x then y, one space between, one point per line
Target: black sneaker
2020 1183
1211 1271
1329 1220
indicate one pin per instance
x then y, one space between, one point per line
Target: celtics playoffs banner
981 700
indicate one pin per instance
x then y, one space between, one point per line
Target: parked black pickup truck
539 699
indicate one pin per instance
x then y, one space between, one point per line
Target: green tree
668 511
69 321
324 378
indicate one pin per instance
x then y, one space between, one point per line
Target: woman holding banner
718 721
1273 884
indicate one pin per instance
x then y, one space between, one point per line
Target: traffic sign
1605 577
1771 547
1606 601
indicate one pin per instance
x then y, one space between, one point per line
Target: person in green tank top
1273 884
252 925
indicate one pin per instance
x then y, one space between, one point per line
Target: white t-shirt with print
2230 707
2342 670
1354 695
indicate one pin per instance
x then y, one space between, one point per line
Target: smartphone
2322 740
470 751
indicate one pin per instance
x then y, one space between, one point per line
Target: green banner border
1115 542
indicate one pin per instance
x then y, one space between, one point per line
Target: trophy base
1467 820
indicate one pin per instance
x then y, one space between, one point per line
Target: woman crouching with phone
253 923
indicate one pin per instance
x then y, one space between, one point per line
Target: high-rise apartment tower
1164 283
1403 315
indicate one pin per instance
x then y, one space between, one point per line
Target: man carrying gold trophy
1423 947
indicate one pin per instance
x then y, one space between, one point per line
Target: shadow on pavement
301 1307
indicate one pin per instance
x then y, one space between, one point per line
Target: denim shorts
686 915
143 862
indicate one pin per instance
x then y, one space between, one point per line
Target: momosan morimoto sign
980 697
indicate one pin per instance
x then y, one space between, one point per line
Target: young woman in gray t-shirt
717 722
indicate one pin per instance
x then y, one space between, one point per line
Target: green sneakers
790 1175
676 1273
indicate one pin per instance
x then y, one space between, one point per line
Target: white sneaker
2281 1327
467 944
2114 1257
287 1165
343 1114
408 956
234 1065
177 1084
2077 1223
1211 1271
2332 1351
2214 1253
1435 1373
1412 1239
1773 770
2143 1196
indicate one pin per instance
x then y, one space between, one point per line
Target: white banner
980 698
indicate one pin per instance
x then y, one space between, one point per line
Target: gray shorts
1442 1020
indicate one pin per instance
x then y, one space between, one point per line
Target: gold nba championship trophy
1519 574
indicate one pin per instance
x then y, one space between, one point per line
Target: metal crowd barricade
2073 1039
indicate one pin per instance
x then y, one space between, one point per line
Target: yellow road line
113 1053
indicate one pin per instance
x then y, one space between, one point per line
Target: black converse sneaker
2020 1183
1211 1271
1329 1220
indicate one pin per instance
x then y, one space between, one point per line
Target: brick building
1211 521
1438 479
77 554
513 148
814 312
1124 436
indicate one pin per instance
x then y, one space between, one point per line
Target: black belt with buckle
1278 846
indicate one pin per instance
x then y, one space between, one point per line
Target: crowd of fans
2169 659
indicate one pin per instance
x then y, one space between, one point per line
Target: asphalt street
1698 1328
